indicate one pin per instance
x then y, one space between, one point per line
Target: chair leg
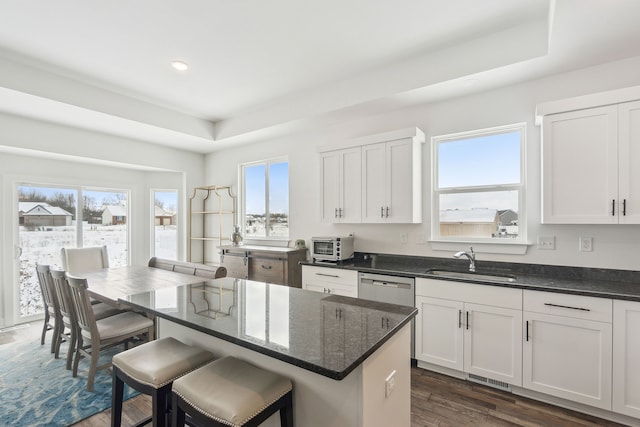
286 412
72 348
95 354
78 355
45 327
177 413
56 335
117 396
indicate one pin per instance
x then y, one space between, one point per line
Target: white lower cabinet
330 280
568 347
472 328
626 357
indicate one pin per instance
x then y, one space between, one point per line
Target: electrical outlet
546 242
404 238
586 244
389 384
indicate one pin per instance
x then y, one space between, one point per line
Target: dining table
112 285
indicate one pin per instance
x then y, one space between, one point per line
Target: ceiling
261 68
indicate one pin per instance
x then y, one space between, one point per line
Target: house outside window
264 205
478 186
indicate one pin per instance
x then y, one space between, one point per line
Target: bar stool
232 392
151 369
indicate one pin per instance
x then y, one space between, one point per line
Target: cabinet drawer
496 296
329 275
235 266
267 270
567 305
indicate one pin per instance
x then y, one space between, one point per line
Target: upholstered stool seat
232 392
151 369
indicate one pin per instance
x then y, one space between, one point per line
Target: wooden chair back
63 294
46 287
82 305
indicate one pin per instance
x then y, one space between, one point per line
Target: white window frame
242 202
491 245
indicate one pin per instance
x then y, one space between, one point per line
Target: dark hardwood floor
436 400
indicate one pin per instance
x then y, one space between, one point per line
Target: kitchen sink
485 277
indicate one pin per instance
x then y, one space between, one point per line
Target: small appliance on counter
333 248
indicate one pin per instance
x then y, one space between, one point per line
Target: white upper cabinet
629 159
391 182
376 179
587 158
341 180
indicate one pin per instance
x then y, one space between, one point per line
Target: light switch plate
546 242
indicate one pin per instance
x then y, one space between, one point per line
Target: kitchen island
349 359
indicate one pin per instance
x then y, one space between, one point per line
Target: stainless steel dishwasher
390 289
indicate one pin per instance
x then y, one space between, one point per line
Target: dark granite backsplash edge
539 270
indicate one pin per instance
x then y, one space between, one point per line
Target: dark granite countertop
327 334
596 282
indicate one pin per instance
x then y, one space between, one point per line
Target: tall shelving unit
212 217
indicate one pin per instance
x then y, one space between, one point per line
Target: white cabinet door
568 358
341 180
580 167
629 159
439 333
626 357
330 181
374 198
391 182
403 191
493 343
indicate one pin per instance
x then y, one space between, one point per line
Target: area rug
37 390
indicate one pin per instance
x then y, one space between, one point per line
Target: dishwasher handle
384 283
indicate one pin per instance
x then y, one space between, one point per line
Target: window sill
508 248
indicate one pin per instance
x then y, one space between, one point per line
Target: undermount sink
502 278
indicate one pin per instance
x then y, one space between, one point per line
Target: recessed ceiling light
179 65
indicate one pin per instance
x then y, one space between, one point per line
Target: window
478 185
265 202
165 230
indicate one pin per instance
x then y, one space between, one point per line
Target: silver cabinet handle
566 306
326 275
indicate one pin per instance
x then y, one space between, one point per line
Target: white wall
613 246
44 153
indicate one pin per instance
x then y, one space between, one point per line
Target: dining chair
51 307
81 260
97 335
68 313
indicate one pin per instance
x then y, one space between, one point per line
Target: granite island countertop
327 334
596 282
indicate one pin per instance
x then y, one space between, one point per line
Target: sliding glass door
50 218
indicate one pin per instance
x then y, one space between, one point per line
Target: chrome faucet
472 258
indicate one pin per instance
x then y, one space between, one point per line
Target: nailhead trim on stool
151 369
232 392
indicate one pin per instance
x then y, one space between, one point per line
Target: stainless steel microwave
331 248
